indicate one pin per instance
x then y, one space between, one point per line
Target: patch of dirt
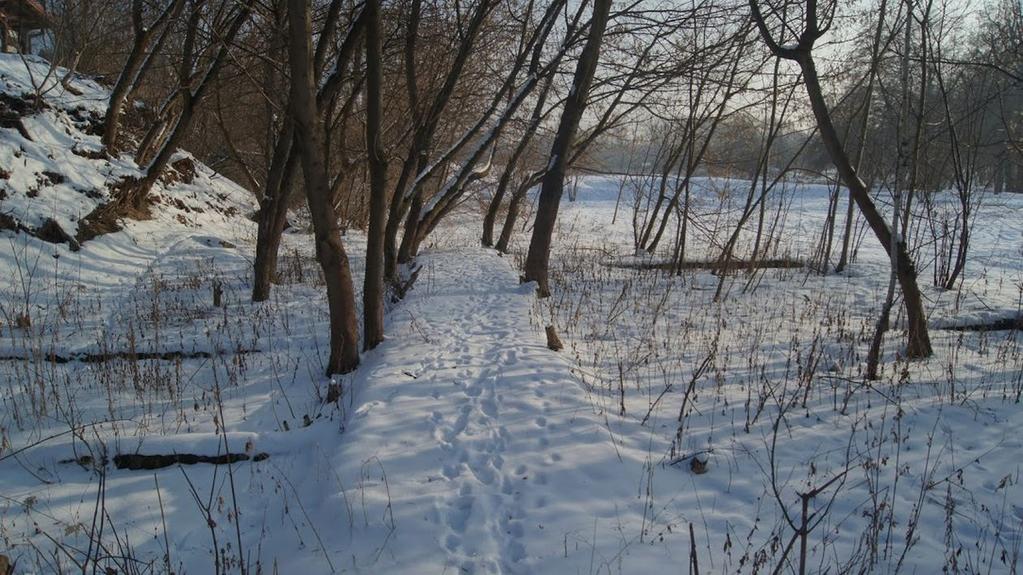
12 106
51 232
100 154
102 220
105 219
186 167
52 178
181 170
88 121
13 109
90 193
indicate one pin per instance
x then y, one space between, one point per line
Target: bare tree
803 36
868 101
530 46
140 59
194 82
407 199
344 347
552 188
283 160
373 289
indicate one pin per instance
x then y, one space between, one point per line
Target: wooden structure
19 19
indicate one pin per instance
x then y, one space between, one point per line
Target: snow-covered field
917 472
464 445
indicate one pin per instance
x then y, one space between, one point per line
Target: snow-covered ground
927 456
464 445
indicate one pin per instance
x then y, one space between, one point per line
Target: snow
929 450
60 173
462 444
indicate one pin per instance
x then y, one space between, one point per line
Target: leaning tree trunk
344 331
919 344
273 213
512 217
553 185
843 260
139 60
487 239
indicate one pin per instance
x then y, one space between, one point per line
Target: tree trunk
843 259
344 350
373 288
538 257
284 160
135 66
273 210
405 248
159 163
510 219
495 203
919 344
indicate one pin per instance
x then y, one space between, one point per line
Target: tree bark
538 257
344 350
135 66
190 98
417 167
919 344
373 289
273 208
843 259
273 215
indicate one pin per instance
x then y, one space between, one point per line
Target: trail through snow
494 457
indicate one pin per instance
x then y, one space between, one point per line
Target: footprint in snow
483 473
451 471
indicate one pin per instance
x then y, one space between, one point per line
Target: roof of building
28 14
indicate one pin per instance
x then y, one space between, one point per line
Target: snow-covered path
493 457
468 446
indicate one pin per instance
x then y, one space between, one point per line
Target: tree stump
553 341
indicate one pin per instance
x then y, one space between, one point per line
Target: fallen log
127 355
1003 324
137 461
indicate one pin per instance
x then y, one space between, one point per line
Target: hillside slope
54 171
